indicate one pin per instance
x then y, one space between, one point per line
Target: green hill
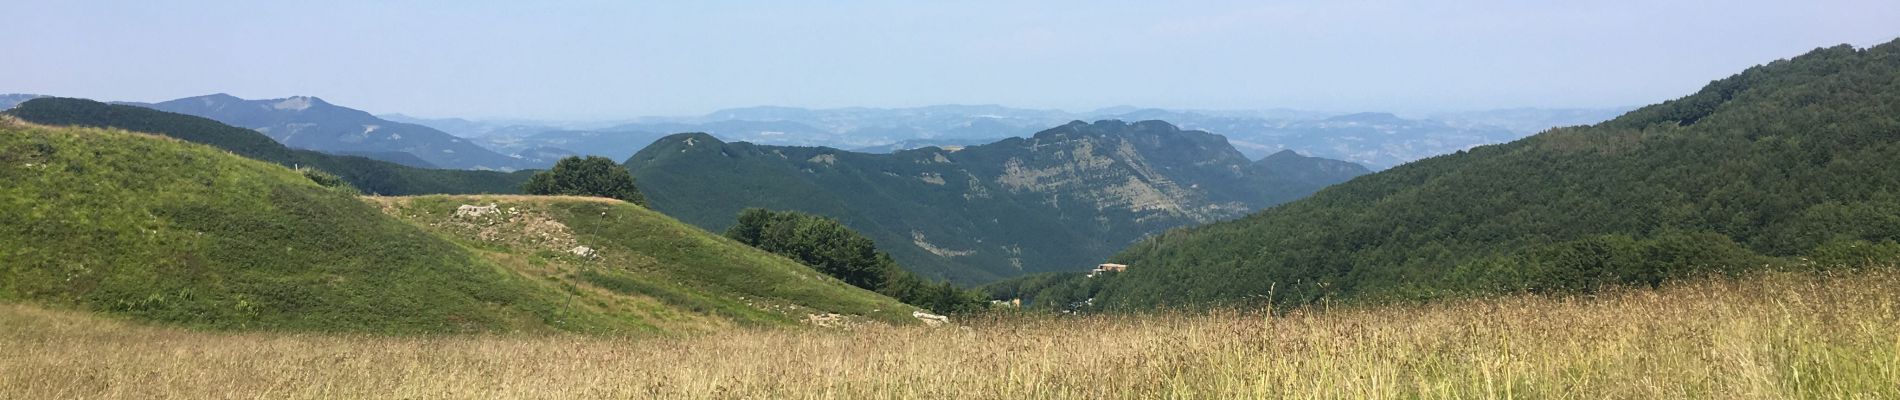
157 229
1792 163
634 261
368 175
1062 200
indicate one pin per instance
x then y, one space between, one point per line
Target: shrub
590 176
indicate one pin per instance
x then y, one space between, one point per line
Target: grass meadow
1775 336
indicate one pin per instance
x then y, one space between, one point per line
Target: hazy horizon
601 61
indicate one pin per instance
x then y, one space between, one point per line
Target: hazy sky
619 59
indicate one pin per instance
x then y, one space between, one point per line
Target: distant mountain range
8 101
310 123
1378 140
1061 200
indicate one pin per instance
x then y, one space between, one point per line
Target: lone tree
591 176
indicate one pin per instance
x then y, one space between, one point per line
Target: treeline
831 248
367 175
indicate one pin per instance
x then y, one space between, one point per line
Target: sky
619 59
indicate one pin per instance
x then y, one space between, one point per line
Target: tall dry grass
1781 336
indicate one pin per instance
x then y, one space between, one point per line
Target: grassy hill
157 229
676 272
369 175
1792 163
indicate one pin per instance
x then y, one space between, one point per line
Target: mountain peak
1155 124
1110 127
692 139
296 103
310 123
1288 153
213 100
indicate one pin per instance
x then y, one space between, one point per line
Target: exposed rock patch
929 319
583 251
475 211
931 178
917 238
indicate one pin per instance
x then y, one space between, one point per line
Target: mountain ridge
1059 200
309 122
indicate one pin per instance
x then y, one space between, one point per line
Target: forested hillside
370 176
831 248
1059 201
1795 163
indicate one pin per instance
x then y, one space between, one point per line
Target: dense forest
1792 164
831 248
368 175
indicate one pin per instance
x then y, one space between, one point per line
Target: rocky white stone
930 319
583 251
475 211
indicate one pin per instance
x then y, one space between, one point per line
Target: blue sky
588 60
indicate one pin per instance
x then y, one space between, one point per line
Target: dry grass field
1779 336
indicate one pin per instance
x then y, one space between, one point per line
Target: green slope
1062 200
642 263
1796 162
157 229
368 175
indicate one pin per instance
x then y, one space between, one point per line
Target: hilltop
1788 164
369 175
1063 199
157 229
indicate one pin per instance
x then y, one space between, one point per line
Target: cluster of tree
1792 164
831 248
1049 291
368 175
591 176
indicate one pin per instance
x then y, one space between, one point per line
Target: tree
835 250
591 176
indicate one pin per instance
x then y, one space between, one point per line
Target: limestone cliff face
1059 200
1149 170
